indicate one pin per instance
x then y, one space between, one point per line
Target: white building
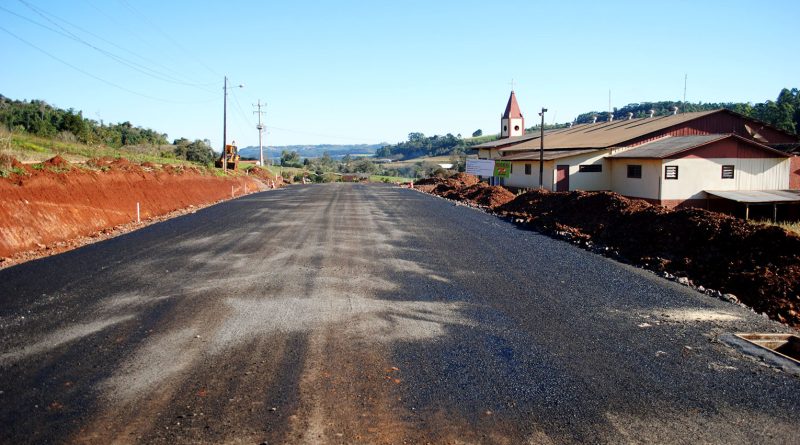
683 159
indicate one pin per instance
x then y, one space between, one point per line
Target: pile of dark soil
759 264
466 188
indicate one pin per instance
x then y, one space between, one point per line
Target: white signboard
480 167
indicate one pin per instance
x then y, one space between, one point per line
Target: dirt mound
479 194
267 177
57 161
463 180
759 264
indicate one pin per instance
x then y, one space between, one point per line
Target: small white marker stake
138 215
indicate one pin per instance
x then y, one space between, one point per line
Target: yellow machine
231 155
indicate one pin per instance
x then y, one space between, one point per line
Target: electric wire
107 82
131 64
121 26
167 36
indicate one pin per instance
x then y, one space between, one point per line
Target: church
680 159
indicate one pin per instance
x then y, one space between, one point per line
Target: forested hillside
783 113
419 145
39 118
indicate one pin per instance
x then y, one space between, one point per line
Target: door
562 178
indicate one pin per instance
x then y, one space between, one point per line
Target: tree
199 151
477 133
290 159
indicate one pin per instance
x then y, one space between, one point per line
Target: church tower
512 123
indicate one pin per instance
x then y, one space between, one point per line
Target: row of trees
41 119
783 113
419 145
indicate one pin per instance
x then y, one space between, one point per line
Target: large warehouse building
674 160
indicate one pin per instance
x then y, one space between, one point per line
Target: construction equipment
230 156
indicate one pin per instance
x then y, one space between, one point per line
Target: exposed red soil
51 205
758 264
466 188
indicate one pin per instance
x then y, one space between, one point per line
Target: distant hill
314 151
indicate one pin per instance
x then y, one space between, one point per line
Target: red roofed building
680 159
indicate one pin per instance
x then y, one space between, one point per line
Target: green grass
793 227
380 178
28 148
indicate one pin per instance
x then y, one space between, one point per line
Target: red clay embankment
56 202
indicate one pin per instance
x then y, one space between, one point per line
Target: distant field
416 161
379 178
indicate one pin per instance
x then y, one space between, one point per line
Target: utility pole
225 124
541 150
260 131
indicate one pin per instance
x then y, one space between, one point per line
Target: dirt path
349 313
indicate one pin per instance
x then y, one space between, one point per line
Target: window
516 127
527 169
727 172
671 172
634 171
590 168
505 127
511 171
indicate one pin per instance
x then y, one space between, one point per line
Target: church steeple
512 123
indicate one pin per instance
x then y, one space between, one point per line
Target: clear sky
373 71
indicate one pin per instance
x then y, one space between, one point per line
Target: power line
174 42
69 34
107 82
121 25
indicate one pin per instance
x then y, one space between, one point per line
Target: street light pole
541 150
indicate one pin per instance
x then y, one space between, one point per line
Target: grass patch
381 178
793 227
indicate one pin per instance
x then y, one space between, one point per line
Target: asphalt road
348 313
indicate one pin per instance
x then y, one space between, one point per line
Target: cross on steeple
512 84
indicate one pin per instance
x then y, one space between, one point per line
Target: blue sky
369 71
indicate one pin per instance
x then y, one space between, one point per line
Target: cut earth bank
55 206
719 255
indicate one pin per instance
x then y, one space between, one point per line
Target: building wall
794 174
589 181
488 153
647 187
698 174
518 178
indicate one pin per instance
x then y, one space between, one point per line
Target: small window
727 172
635 171
527 169
505 128
671 172
591 168
511 171
516 127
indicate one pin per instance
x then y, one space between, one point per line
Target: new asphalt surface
350 313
